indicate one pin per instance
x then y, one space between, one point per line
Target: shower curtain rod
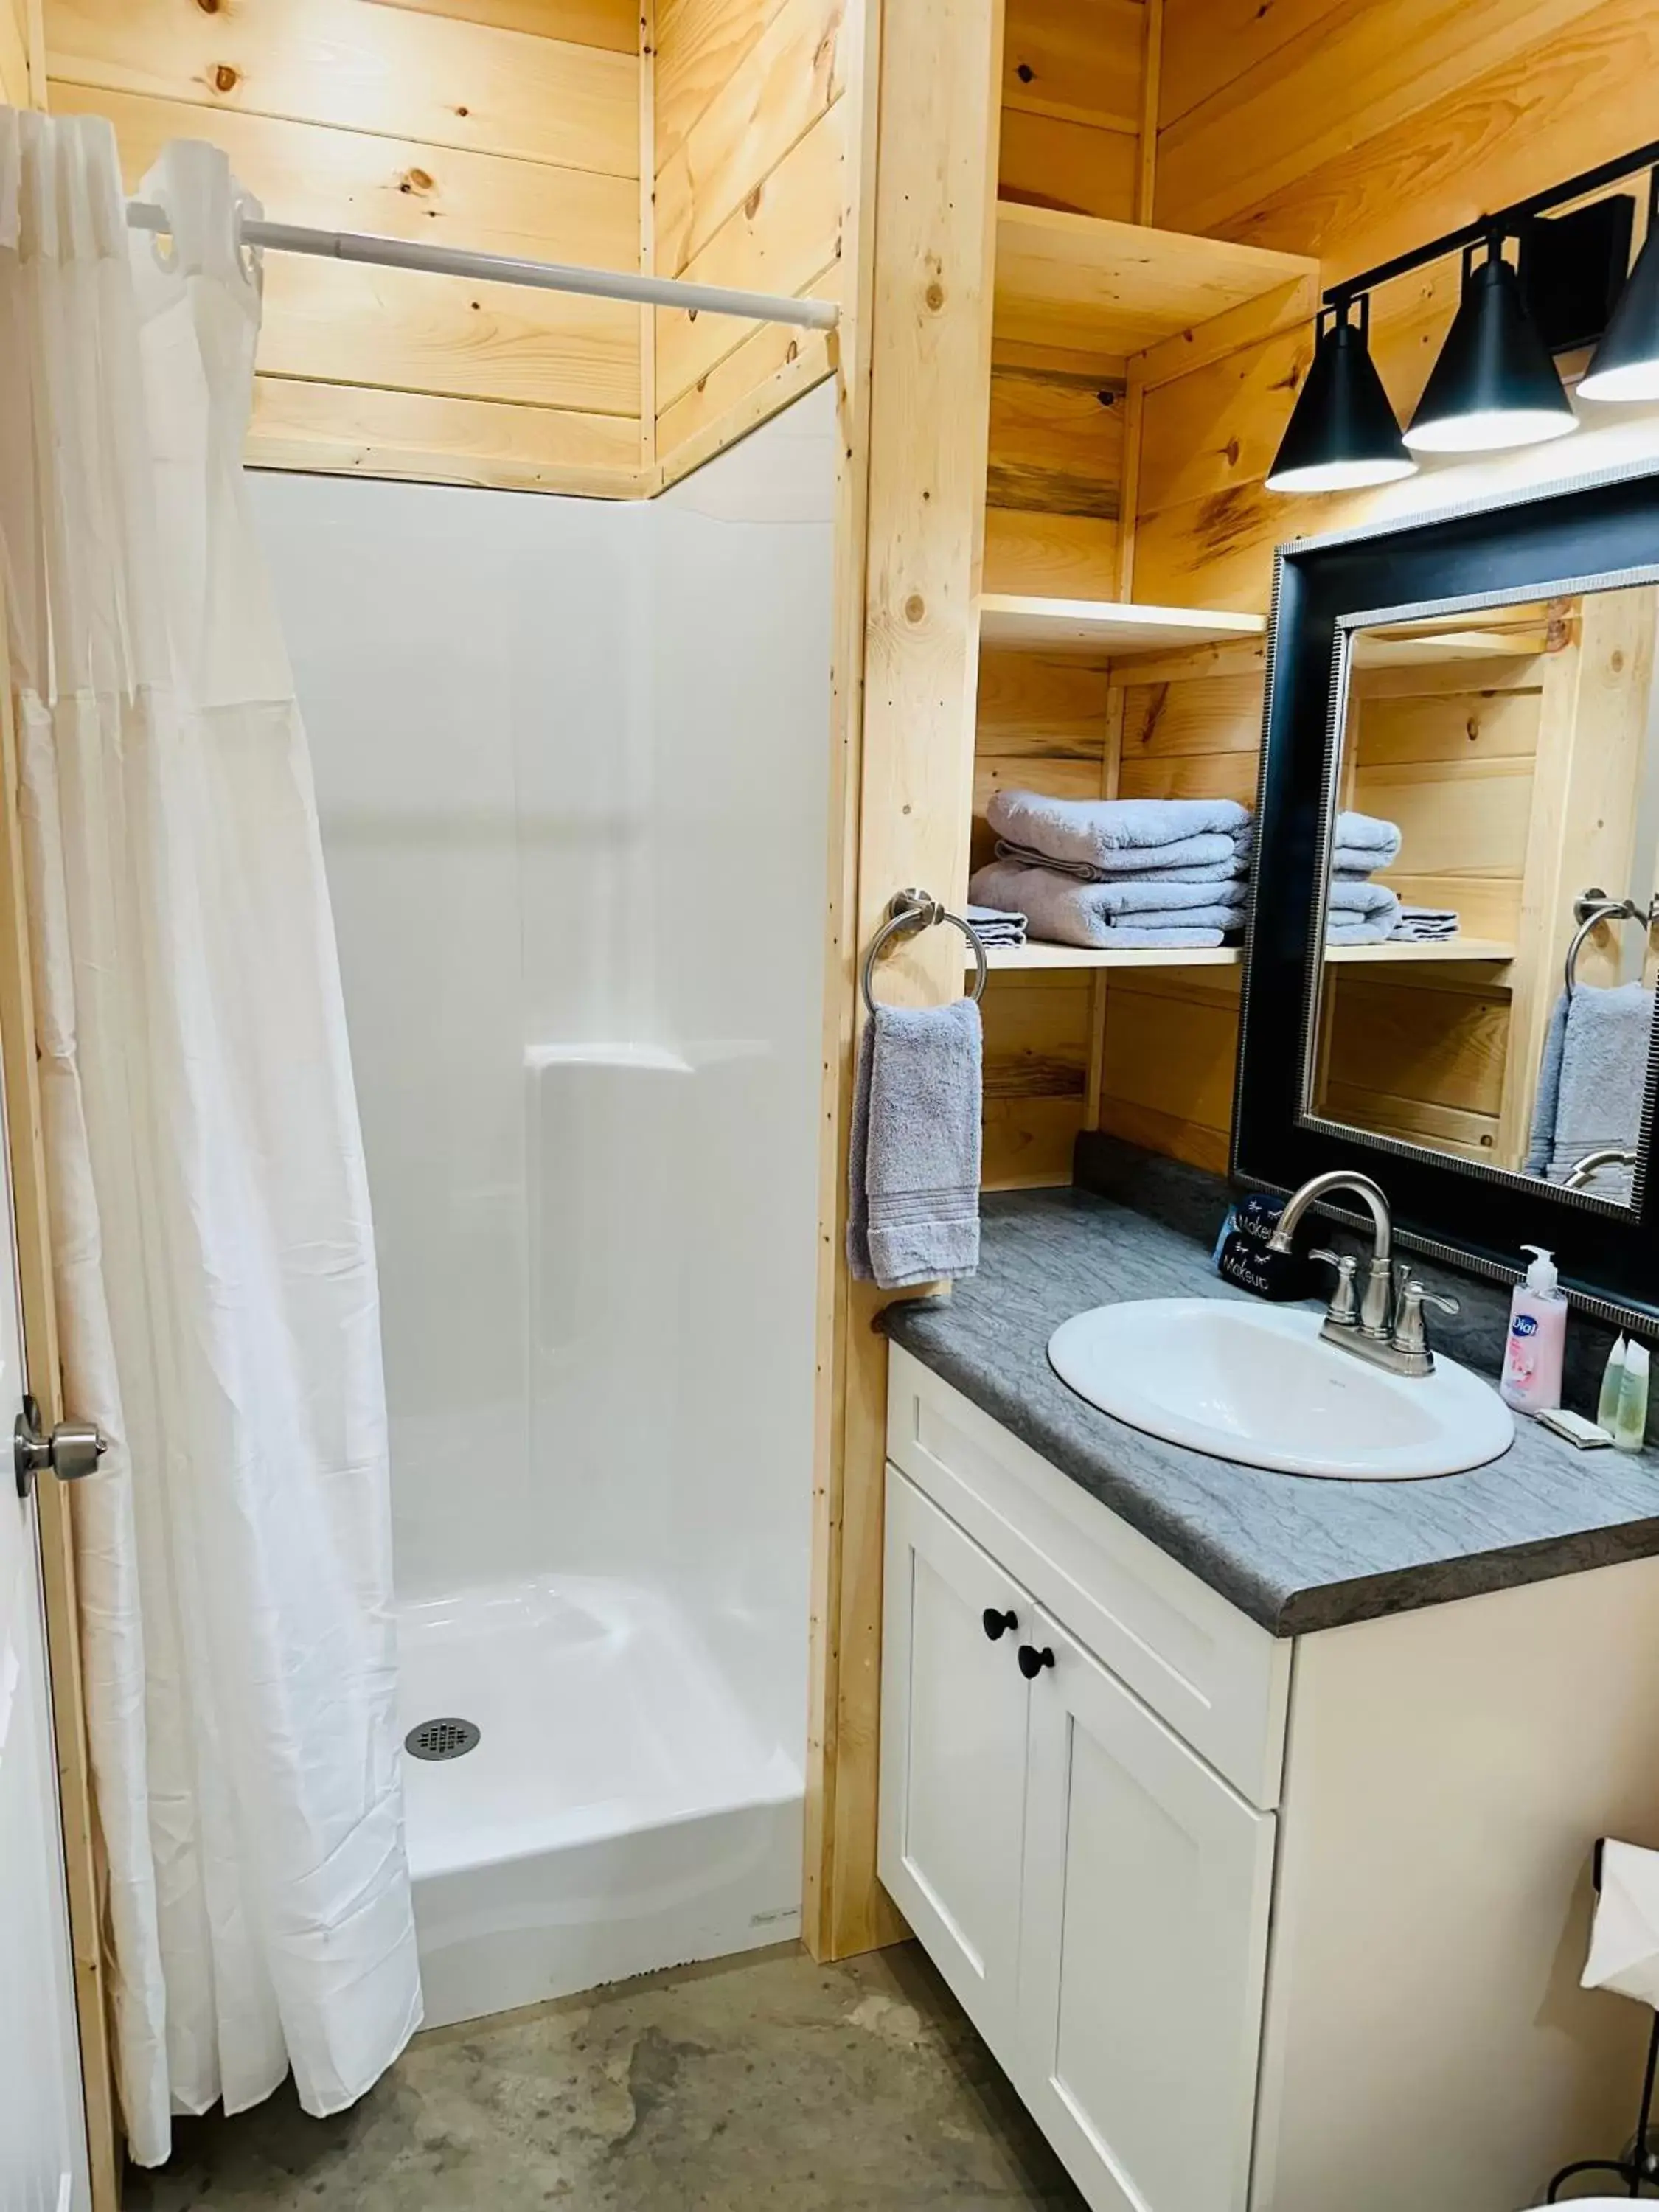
501 269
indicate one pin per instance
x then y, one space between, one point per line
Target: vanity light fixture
1494 384
1625 365
1342 433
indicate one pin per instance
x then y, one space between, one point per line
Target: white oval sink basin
1256 1384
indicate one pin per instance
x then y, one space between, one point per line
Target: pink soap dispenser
1537 1339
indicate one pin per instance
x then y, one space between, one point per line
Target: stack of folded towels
1159 872
1362 912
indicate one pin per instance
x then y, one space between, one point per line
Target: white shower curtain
215 1270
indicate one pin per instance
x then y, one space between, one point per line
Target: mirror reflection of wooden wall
1509 747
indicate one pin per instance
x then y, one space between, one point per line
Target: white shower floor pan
620 1811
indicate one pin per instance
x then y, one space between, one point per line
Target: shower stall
572 760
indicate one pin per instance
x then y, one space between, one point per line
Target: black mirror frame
1588 533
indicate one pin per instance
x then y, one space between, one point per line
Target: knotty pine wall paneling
22 77
751 131
456 123
1073 76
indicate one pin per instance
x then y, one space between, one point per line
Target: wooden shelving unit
1088 285
1105 628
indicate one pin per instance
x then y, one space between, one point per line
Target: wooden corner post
909 800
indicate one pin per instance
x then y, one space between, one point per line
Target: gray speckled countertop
1294 1552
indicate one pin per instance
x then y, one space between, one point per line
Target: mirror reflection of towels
1591 1078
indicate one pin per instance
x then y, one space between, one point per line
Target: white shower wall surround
571 762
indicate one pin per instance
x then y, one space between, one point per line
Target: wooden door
1143 1947
31 1225
954 1708
43 2145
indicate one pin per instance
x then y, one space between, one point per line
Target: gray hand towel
913 1162
1357 932
1592 1077
1362 899
1213 859
1065 912
1096 833
993 925
1365 841
1127 896
1546 1097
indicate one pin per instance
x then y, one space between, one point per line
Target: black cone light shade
1625 365
1342 433
1494 384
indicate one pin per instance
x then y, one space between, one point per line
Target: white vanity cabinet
1241 1950
1095 1893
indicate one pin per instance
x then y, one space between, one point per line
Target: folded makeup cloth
1592 1076
993 925
1219 859
1426 924
1065 912
1363 842
914 1163
1355 899
1117 836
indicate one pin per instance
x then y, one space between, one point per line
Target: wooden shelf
1036 955
1093 286
1441 948
1105 627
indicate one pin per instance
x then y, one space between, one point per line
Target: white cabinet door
1143 1947
954 1706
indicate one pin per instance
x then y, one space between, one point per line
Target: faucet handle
1409 1335
1343 1311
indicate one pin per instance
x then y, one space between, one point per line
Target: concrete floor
764 2081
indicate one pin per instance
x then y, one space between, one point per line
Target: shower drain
442 1739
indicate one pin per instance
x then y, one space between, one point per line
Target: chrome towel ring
907 913
1589 910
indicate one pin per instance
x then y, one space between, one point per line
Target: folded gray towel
913 1162
993 925
1213 859
1135 897
1107 833
1065 912
1592 1075
1358 898
1365 841
1357 932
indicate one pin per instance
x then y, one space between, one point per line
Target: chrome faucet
1384 1324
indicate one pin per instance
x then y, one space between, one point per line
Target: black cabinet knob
996 1623
1032 1662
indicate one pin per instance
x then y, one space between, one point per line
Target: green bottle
1607 1406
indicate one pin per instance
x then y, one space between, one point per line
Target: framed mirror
1449 978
